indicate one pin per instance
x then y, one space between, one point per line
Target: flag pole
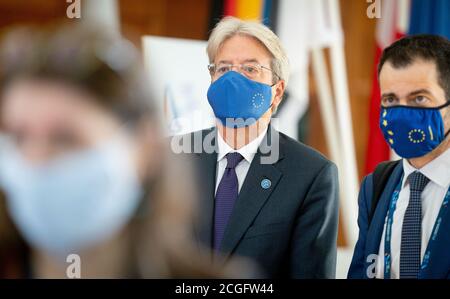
104 13
326 105
349 172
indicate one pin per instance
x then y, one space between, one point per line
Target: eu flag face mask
72 202
238 101
412 131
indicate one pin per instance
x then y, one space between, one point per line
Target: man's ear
446 117
279 88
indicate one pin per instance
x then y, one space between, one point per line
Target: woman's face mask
71 202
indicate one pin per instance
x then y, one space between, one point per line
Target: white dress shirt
438 172
248 152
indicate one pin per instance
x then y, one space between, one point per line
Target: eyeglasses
252 71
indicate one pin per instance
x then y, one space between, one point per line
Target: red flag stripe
230 7
377 148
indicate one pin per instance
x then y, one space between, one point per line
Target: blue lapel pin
266 183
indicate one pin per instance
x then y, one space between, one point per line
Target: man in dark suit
264 196
403 222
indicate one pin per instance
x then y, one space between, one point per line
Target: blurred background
332 99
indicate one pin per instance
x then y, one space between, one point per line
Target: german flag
264 11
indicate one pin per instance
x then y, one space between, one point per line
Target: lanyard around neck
388 233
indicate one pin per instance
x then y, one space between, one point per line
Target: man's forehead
418 69
410 81
421 74
240 49
244 60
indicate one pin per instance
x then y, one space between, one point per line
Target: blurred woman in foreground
83 165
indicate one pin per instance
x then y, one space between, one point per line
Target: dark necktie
412 228
227 193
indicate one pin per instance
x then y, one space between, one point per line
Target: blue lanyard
388 234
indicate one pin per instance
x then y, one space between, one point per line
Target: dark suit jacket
368 244
289 229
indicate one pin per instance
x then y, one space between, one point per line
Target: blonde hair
231 26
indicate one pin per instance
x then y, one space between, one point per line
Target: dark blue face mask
412 131
238 101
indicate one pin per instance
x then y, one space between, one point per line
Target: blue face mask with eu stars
238 101
412 131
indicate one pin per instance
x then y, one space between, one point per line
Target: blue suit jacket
370 234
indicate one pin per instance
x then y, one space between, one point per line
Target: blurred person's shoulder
14 252
196 142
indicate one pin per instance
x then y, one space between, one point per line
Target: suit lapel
439 259
377 224
251 197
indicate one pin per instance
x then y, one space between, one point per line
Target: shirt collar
248 151
437 170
